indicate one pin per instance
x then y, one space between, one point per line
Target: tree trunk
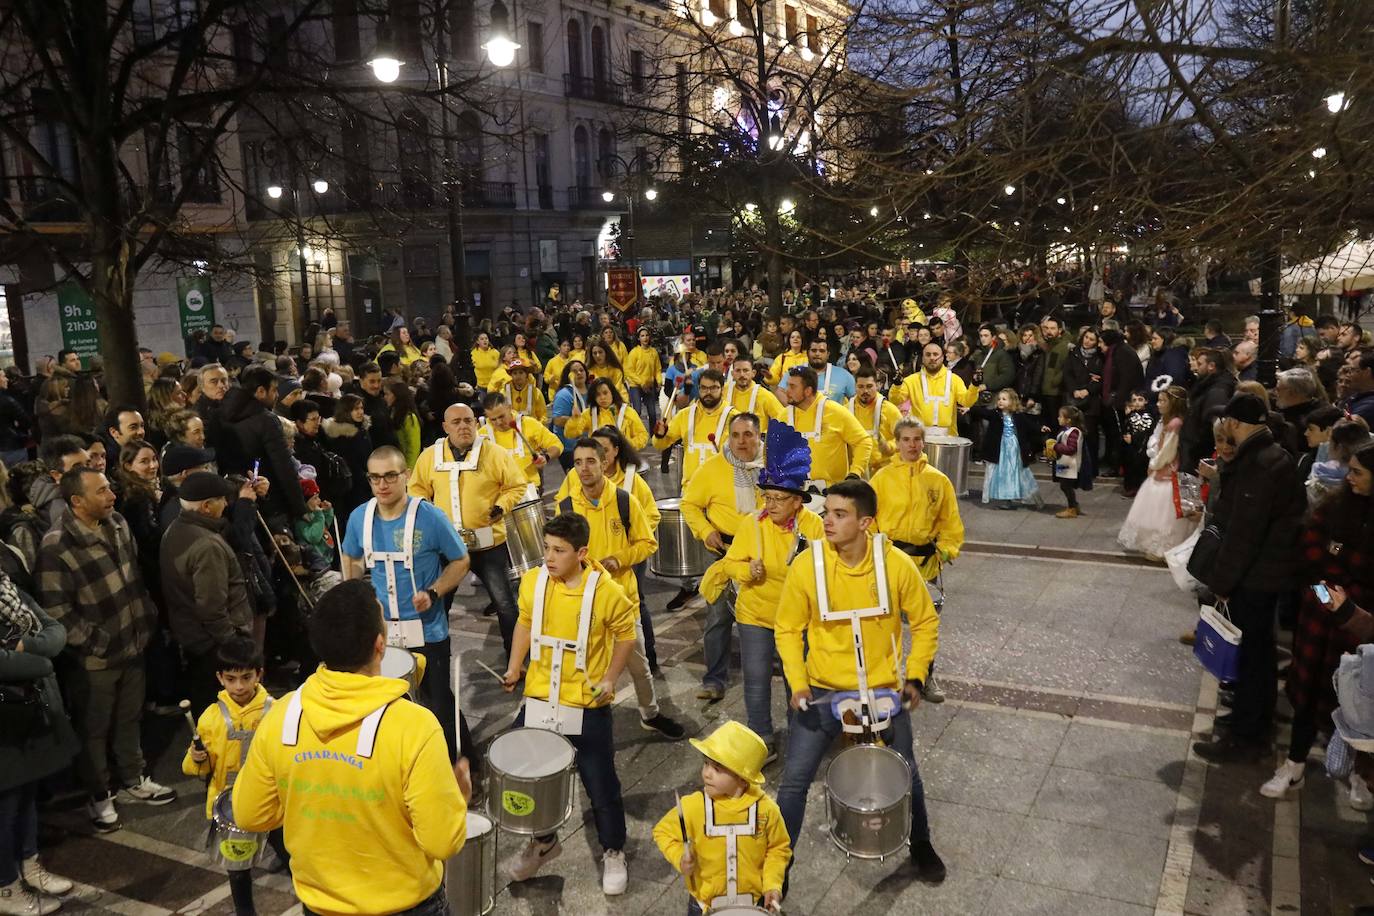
112 293
774 243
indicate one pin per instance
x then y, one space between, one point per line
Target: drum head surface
224 808
868 778
527 503
674 504
737 910
478 825
531 753
398 663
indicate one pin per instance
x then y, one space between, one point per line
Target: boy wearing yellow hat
728 840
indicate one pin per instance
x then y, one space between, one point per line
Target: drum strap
729 396
619 418
367 730
820 419
877 413
942 399
584 623
731 832
388 559
518 449
856 616
242 736
455 470
703 450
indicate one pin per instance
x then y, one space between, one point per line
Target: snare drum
234 849
530 781
525 536
868 796
400 663
738 909
470 876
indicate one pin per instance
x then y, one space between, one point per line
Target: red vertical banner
622 287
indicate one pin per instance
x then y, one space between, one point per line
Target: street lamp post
633 177
386 65
275 192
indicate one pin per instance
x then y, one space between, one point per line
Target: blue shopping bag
1217 644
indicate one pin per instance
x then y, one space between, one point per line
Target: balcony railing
593 89
582 197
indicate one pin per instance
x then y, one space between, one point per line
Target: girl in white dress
1153 526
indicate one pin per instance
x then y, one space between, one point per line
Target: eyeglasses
777 499
389 478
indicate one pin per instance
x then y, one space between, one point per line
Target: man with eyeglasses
475 483
701 428
413 557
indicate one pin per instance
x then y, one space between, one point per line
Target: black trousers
436 695
1256 686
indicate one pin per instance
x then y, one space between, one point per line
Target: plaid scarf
746 480
16 619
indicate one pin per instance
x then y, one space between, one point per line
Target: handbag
1176 558
1217 644
1205 552
23 713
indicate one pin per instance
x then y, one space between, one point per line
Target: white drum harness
551 713
407 634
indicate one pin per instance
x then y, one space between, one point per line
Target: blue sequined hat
787 460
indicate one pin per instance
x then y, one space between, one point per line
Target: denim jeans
645 403
757 650
492 566
596 766
720 620
810 734
18 829
436 904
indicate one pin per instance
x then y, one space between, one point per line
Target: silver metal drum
680 555
525 536
400 663
234 849
530 781
470 876
868 796
737 910
950 455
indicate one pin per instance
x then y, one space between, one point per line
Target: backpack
622 503
337 475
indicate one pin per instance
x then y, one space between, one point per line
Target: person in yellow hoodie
728 840
606 407
529 442
745 395
553 369
553 602
840 447
644 376
876 414
701 427
475 487
722 495
223 735
485 358
756 561
356 775
936 394
621 539
839 627
521 393
608 337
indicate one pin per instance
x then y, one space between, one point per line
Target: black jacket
1083 372
1027 434
1259 511
382 432
353 445
251 432
1127 375
14 423
1030 372
1195 440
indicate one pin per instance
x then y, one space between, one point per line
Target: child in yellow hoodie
730 819
224 731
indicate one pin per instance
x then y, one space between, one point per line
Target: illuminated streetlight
873 211
1096 208
1009 190
1335 102
274 191
1319 153
651 194
500 47
787 205
751 207
925 215
1061 201
607 196
320 186
386 66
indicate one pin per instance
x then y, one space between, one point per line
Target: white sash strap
406 556
877 413
945 398
518 450
584 620
820 419
703 449
731 832
753 396
367 730
856 615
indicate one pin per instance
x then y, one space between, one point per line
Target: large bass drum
525 537
950 456
868 797
680 555
470 876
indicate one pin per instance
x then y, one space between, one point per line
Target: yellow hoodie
938 414
843 447
365 835
766 404
643 366
708 502
916 504
829 656
887 425
761 859
610 539
537 438
638 488
496 481
759 538
705 443
586 422
613 621
224 763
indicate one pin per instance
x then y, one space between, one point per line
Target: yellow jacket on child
761 859
916 504
225 755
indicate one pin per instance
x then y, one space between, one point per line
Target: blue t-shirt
436 544
562 406
841 387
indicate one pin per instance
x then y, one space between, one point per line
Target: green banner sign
80 330
196 305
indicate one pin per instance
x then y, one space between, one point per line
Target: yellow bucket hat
736 748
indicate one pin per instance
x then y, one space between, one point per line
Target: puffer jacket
252 433
49 746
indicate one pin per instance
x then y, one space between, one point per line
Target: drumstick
185 706
499 679
682 822
457 705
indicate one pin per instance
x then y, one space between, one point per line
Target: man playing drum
744 395
840 447
839 633
475 487
356 775
757 563
917 509
936 394
413 558
621 538
529 442
521 393
721 495
876 414
582 627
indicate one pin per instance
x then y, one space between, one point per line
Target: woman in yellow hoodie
731 818
357 776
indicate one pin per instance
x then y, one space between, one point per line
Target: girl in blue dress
1009 445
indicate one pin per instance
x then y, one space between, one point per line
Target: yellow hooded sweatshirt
225 762
638 488
759 538
613 621
843 446
588 421
609 538
705 441
366 835
761 859
916 504
537 438
643 367
936 399
886 429
496 481
708 502
829 658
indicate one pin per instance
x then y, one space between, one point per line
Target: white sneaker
104 817
533 857
18 900
40 879
148 792
614 877
1361 799
932 692
1289 775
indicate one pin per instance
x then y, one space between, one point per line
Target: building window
199 172
462 29
718 9
637 71
599 61
746 14
582 161
543 177
790 22
416 161
469 152
534 46
245 49
404 16
575 48
357 161
344 20
605 152
813 37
